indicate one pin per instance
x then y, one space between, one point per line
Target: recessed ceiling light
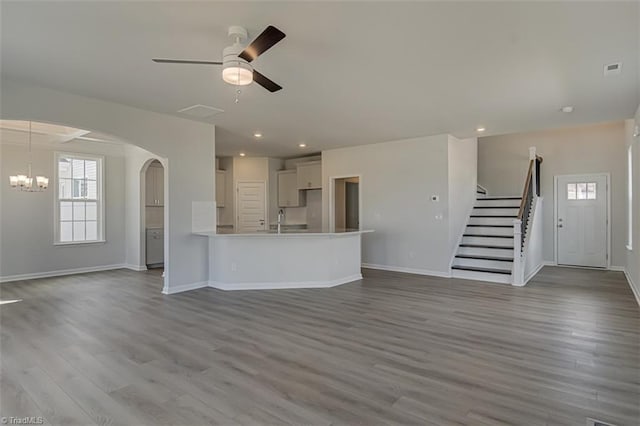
257 135
480 129
242 154
302 145
567 108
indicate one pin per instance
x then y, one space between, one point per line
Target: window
581 191
79 207
630 197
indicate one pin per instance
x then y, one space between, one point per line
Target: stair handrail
530 192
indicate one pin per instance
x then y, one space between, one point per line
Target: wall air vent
200 111
612 69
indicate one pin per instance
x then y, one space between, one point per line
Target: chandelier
26 182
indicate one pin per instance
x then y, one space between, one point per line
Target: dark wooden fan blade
269 37
180 61
265 82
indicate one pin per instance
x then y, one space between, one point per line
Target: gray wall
397 181
27 219
503 163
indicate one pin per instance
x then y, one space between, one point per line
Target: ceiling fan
236 59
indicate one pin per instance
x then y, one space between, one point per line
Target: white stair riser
474 251
496 212
489 231
488 241
494 203
483 263
481 276
490 221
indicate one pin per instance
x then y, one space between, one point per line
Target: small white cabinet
310 175
288 193
221 179
154 185
155 247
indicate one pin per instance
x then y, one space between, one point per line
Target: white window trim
101 200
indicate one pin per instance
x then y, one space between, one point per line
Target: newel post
518 266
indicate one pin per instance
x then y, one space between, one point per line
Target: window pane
78 168
65 231
64 188
591 191
92 189
91 169
92 211
571 191
64 168
65 211
78 231
582 191
79 188
78 210
92 231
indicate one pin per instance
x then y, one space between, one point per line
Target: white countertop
287 233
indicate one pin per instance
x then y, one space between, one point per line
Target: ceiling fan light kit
236 67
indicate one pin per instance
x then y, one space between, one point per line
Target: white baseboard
407 270
617 268
633 285
59 273
533 274
138 268
185 287
283 285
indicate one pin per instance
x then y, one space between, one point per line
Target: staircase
486 251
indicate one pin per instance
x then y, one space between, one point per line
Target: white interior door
582 228
252 207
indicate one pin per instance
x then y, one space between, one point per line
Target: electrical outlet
234 267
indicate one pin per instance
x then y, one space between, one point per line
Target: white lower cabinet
155 247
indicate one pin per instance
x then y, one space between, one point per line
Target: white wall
632 265
463 173
187 146
398 179
27 219
503 164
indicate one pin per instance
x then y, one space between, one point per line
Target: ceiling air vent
612 69
200 111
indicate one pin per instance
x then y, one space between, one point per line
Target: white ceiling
352 72
17 133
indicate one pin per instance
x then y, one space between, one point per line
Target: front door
252 208
582 204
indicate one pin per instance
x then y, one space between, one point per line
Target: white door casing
581 220
251 206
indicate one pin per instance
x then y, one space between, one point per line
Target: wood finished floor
108 348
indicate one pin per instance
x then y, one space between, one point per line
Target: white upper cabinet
154 186
288 193
221 178
310 175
